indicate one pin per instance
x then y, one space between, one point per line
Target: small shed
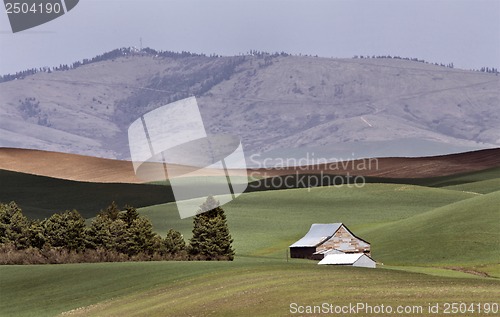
351 259
324 238
319 255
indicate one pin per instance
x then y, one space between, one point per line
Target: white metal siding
365 261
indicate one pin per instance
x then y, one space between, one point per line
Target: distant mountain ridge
119 52
124 51
280 105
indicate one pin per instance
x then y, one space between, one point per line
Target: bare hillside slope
275 103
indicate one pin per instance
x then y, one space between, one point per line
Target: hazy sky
466 32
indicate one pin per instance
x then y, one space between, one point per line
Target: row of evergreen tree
125 51
412 59
491 70
113 235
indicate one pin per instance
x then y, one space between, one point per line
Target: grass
480 187
279 182
492 269
433 226
436 271
45 290
451 180
417 231
245 287
465 232
266 223
41 196
464 178
269 291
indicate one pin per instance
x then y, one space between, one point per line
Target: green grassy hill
481 187
463 178
490 177
413 230
266 223
462 233
41 196
245 287
406 224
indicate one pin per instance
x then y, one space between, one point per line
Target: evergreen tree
118 238
211 237
36 235
129 215
99 234
112 211
125 232
65 230
103 232
174 242
13 226
141 237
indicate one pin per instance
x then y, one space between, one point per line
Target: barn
328 238
351 259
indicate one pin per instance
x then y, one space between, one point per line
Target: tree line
124 51
490 70
112 236
412 59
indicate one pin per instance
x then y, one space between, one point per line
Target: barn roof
327 251
341 258
317 234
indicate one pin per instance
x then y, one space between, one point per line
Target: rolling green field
41 196
425 236
245 287
266 223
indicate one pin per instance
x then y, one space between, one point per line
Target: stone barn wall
346 242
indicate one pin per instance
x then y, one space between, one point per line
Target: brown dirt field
398 167
93 169
87 168
67 166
